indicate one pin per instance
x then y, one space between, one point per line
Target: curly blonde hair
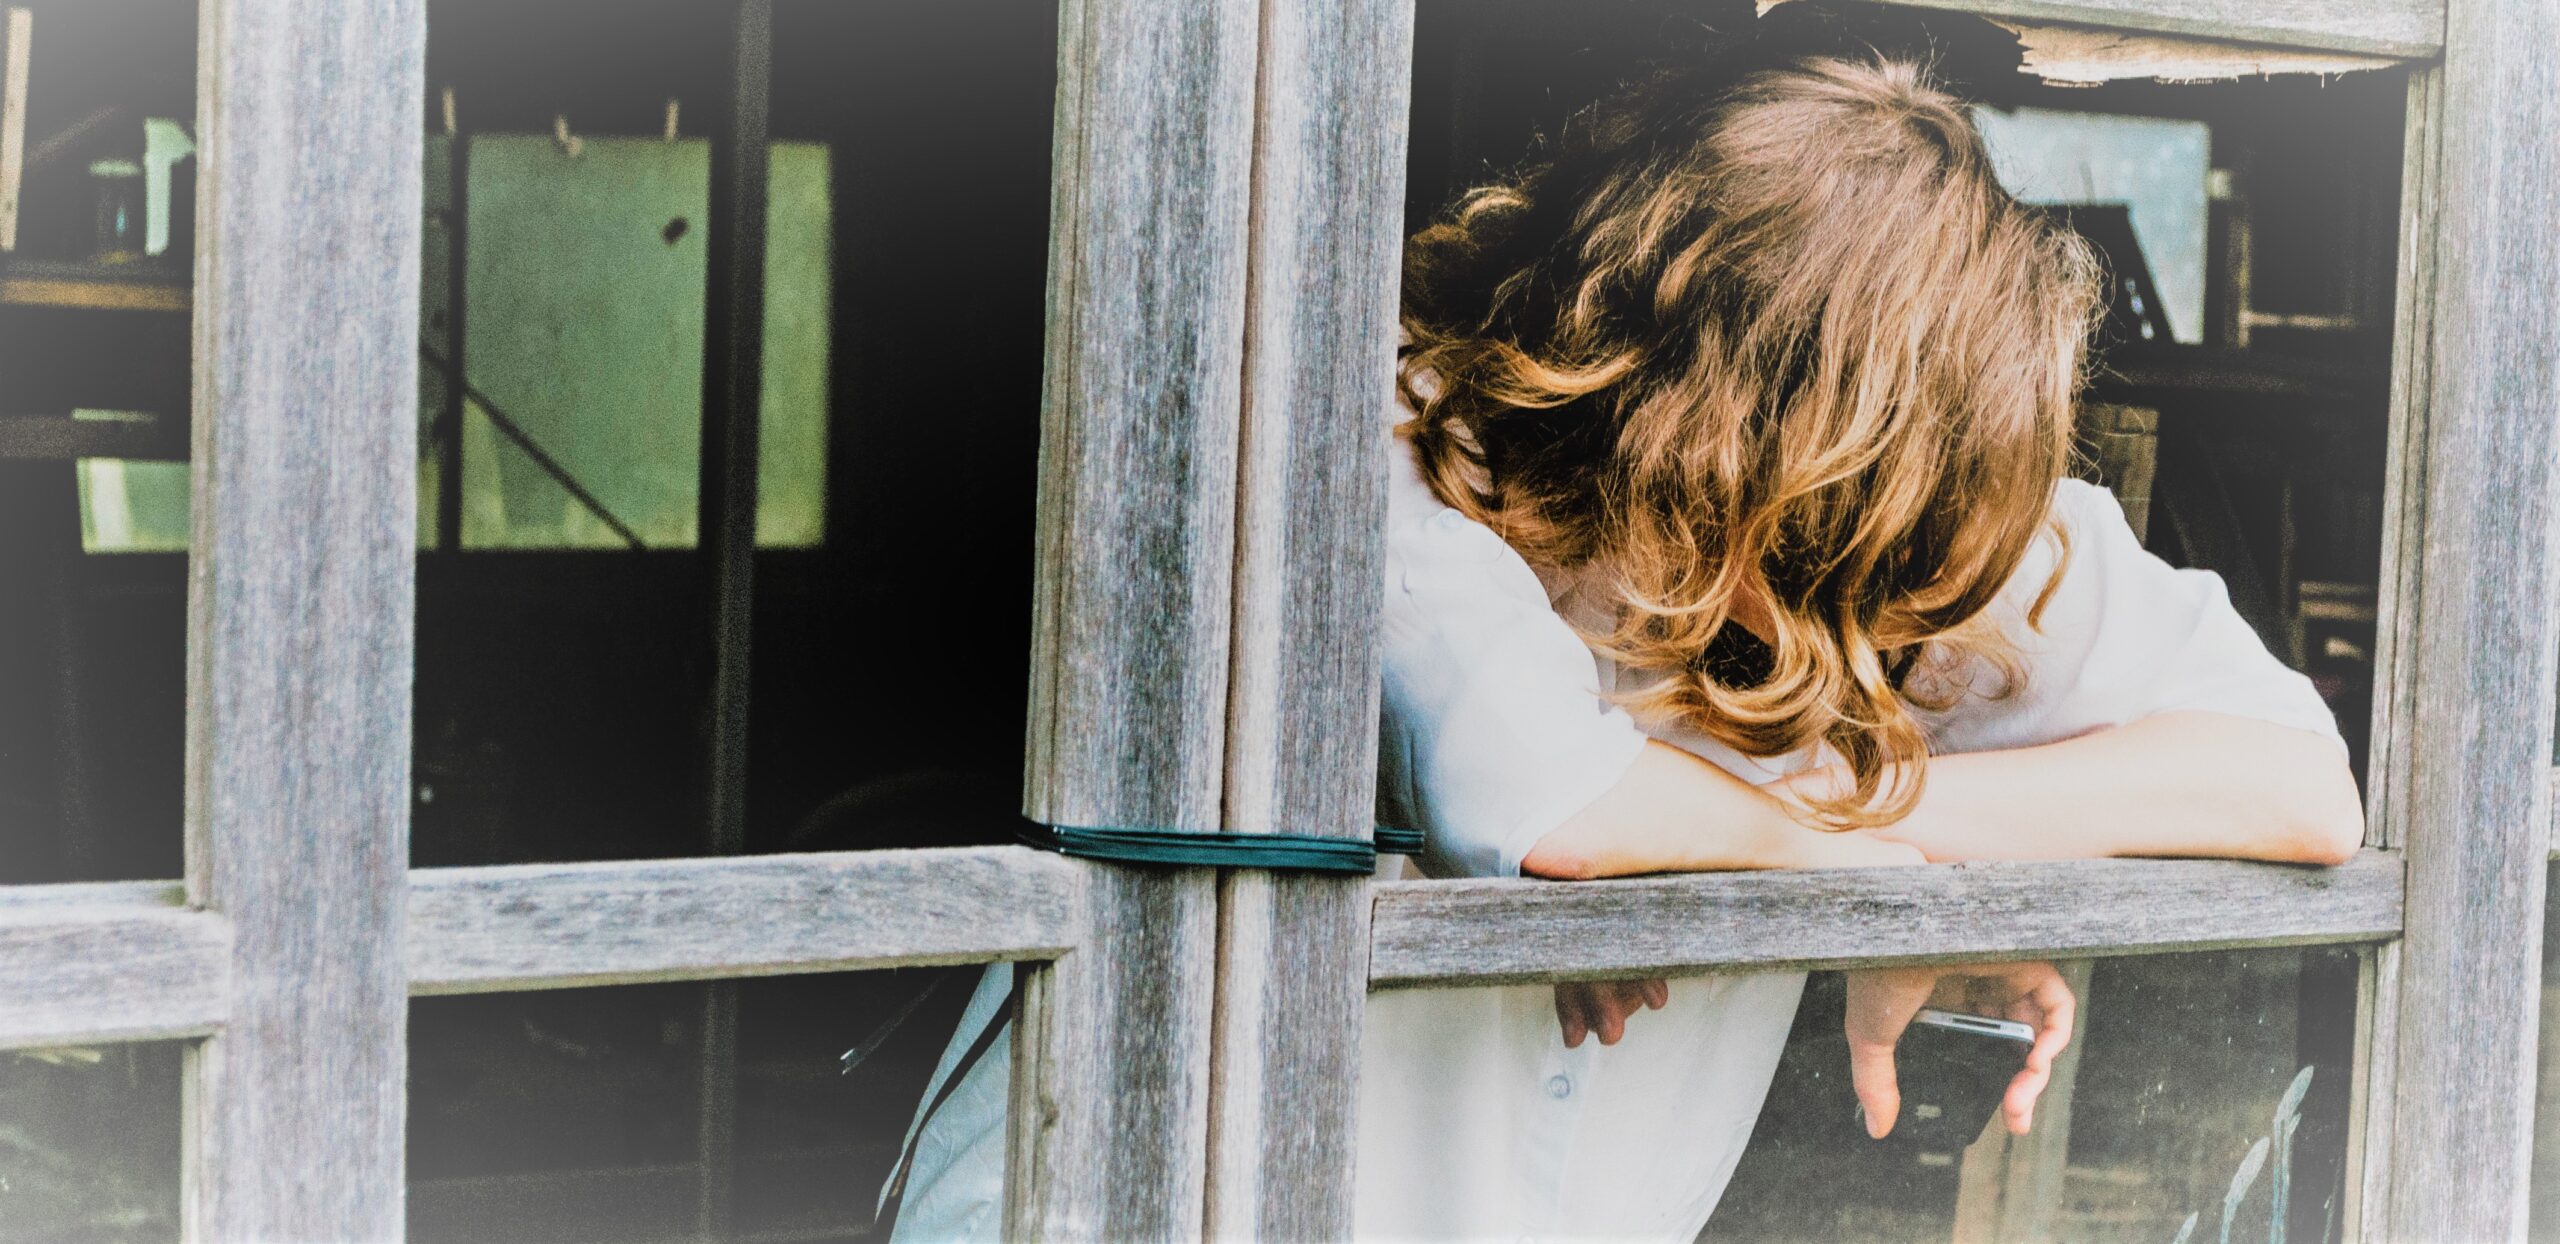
1780 346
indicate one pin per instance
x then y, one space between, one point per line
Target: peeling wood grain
2368 1171
550 926
2404 514
17 28
2410 29
2371 1105
1483 932
2551 796
2087 56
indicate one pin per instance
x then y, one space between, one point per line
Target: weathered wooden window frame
287 957
1228 181
2449 894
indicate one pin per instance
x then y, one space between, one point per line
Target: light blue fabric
956 1189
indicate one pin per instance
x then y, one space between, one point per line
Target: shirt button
1559 1087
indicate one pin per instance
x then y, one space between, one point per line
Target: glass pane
2207 1085
89 1144
565 659
582 423
606 1115
2155 166
95 288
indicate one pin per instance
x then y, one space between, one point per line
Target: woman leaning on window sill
1728 530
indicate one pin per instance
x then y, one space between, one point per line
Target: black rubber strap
882 1222
1393 841
1300 853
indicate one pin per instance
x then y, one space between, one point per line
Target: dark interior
563 697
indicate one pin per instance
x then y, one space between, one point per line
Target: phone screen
1953 1069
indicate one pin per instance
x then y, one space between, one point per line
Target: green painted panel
799 319
586 286
128 506
586 317
435 243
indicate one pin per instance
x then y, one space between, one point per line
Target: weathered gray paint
2403 492
1111 1067
17 46
1137 509
300 659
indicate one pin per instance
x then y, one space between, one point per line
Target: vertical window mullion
2403 533
2470 754
1136 547
1301 751
300 610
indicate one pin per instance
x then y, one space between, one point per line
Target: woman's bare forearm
1674 812
2175 784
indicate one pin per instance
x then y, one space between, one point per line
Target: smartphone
1953 1070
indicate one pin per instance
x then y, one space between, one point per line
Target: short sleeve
2123 636
1492 728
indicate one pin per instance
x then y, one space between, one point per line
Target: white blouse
1475 1121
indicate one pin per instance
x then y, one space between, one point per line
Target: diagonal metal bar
523 440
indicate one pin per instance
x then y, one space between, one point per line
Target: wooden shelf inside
96 287
2162 370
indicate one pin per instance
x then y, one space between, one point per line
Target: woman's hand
1603 1007
1882 1002
1585 1007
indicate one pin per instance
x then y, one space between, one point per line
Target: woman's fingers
2018 1105
1569 1014
1879 1093
2053 997
1881 1004
1586 1008
2038 996
1618 1000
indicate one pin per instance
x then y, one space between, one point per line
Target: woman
1729 530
